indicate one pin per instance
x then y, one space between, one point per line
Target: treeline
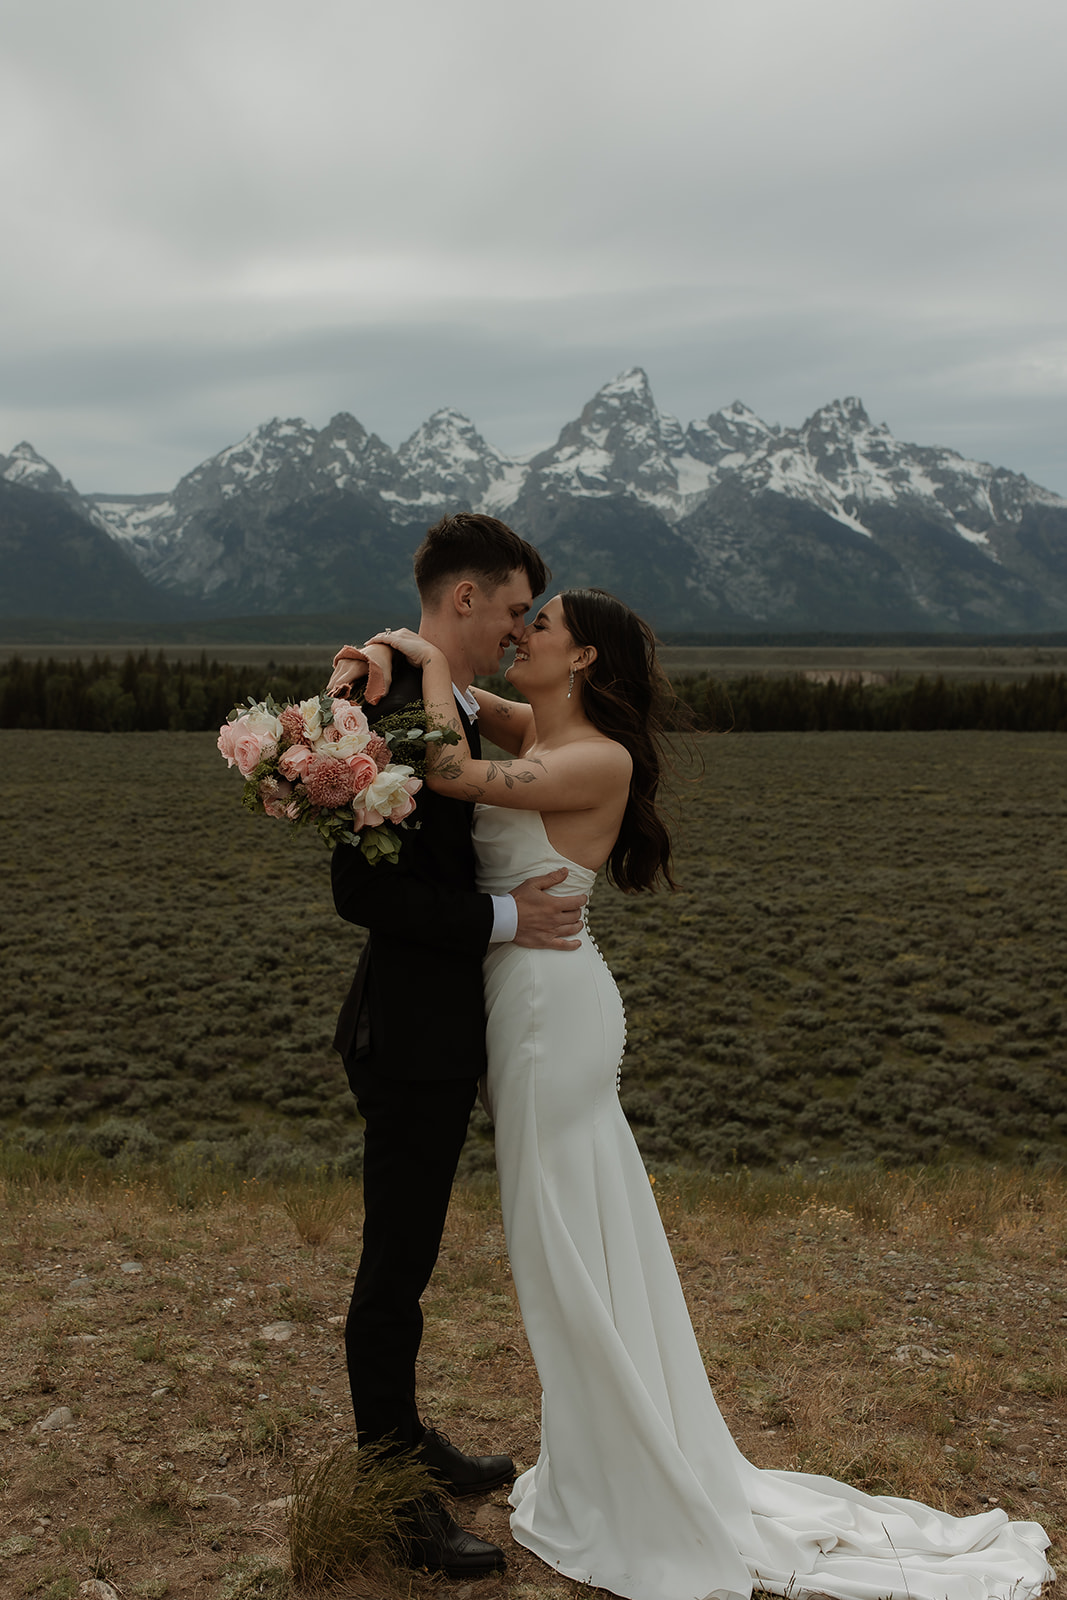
795 704
141 694
145 693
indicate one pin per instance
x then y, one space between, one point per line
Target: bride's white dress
639 1486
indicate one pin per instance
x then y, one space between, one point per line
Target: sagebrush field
865 963
862 972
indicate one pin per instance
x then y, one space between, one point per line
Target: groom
412 1029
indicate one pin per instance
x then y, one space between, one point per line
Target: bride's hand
351 665
419 651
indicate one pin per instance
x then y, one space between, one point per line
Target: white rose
387 792
264 724
312 715
349 744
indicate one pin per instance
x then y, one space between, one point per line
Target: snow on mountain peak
728 437
450 460
266 447
252 463
634 381
346 456
24 465
841 462
849 413
622 443
448 435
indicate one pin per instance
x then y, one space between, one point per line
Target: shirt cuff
505 919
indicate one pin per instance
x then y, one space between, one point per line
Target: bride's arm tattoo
497 769
449 767
455 770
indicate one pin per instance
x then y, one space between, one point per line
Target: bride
639 1487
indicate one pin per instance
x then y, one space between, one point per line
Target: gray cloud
228 211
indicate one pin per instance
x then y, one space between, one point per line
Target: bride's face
546 652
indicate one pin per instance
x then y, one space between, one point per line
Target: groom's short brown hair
469 545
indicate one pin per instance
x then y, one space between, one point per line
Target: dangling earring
570 683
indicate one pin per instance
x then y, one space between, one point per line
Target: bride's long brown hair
624 693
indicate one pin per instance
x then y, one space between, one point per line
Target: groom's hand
548 921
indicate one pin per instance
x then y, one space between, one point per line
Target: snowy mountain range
727 524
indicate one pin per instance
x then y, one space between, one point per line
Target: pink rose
295 761
347 718
250 739
251 746
227 740
363 772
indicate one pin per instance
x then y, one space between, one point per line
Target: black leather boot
435 1540
460 1474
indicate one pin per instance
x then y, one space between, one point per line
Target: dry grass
904 1331
317 1209
345 1520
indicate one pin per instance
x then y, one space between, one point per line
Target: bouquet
319 763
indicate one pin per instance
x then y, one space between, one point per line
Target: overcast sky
218 211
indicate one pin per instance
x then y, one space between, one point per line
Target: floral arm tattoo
453 763
496 769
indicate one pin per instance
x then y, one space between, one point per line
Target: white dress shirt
505 911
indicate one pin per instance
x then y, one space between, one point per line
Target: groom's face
497 621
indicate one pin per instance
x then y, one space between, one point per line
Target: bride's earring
570 683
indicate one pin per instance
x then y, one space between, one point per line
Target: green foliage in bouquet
378 844
407 736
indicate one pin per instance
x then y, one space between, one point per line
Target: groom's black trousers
414 1135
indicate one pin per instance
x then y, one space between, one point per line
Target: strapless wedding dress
639 1487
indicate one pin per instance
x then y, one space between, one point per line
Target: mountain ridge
728 522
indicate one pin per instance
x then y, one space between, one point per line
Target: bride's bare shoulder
593 754
608 753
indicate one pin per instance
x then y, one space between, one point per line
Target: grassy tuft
255 1578
270 1429
194 1180
317 1207
344 1518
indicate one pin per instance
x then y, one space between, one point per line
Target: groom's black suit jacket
416 1009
